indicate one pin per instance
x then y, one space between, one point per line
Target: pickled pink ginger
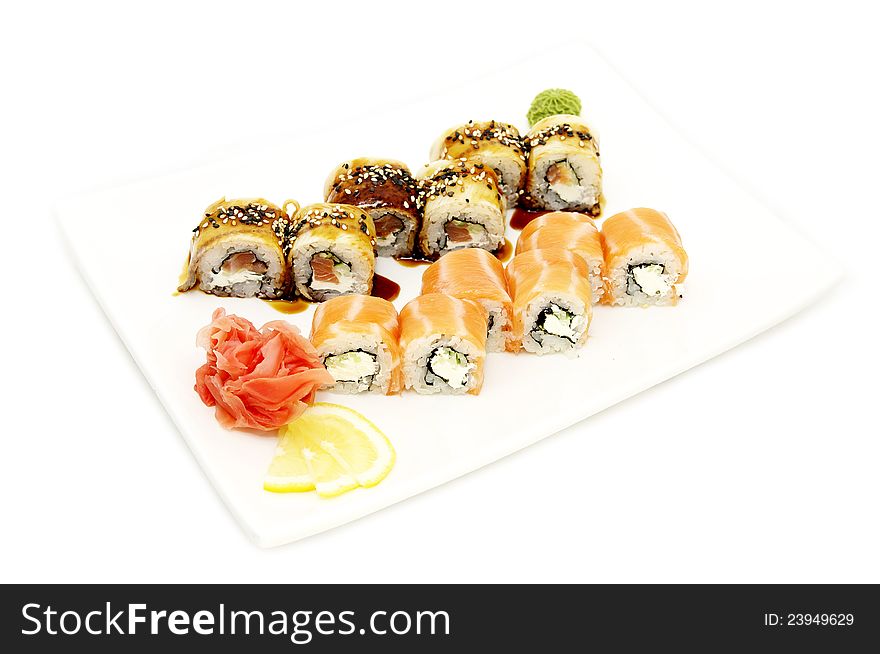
257 378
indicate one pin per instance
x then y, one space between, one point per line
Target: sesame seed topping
375 183
562 131
473 134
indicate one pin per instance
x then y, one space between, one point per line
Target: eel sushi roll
564 172
332 251
497 145
463 208
644 259
239 249
356 337
443 340
388 192
571 231
474 274
552 300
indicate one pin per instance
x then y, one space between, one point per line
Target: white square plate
749 271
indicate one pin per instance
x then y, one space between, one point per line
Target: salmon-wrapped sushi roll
443 340
572 231
332 251
474 274
495 144
644 259
239 249
356 337
463 207
388 192
552 300
564 172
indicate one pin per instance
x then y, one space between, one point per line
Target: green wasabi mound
552 102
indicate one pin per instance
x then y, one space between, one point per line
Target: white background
761 465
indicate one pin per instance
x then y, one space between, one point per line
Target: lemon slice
288 472
329 477
335 448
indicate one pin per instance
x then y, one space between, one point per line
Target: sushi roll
497 145
356 337
572 231
644 259
564 172
332 251
388 192
474 274
552 300
239 249
443 340
463 208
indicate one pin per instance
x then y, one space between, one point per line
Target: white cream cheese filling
560 322
651 279
351 366
385 241
451 366
572 192
568 192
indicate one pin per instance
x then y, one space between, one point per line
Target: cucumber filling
448 366
353 366
556 321
648 278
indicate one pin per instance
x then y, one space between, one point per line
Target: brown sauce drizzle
288 306
413 261
417 259
385 288
184 275
382 287
504 252
522 217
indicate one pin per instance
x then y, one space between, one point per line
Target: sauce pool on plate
385 288
522 217
382 287
413 261
504 252
288 306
